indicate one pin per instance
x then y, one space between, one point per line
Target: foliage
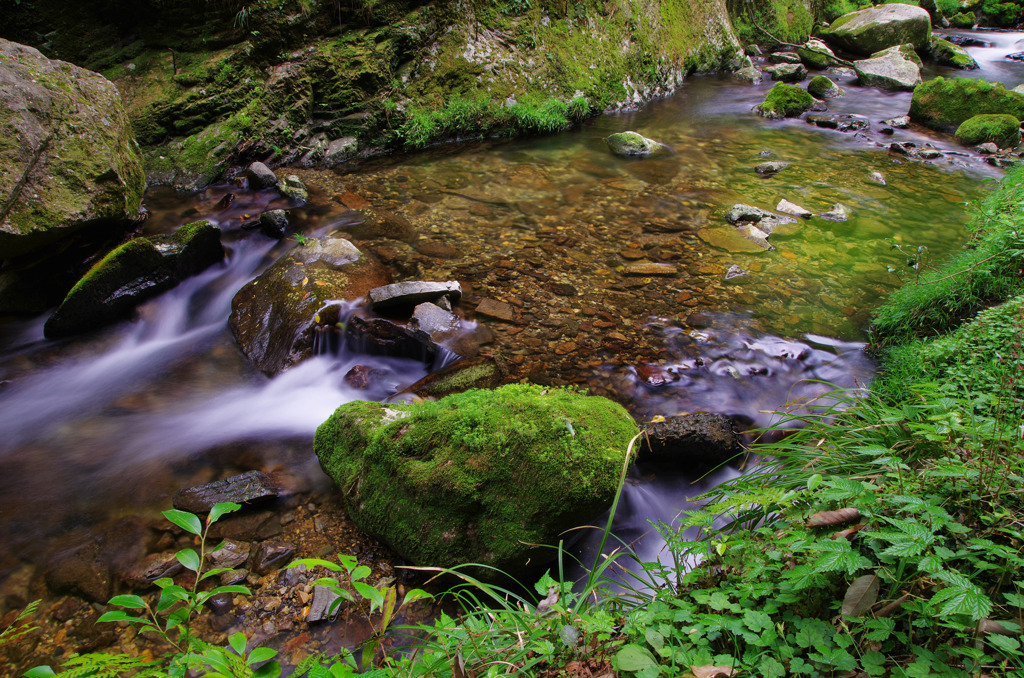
20 627
985 272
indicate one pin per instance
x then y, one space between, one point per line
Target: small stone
562 289
247 488
293 188
787 72
837 213
767 169
987 148
320 609
434 321
900 122
754 235
340 150
930 153
260 176
495 309
741 212
231 554
784 58
791 208
362 377
269 556
413 293
274 223
735 272
632 144
651 269
877 178
351 200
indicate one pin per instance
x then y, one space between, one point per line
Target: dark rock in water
691 440
293 189
486 372
771 168
274 223
903 148
539 461
260 176
274 317
435 322
362 377
495 309
987 148
378 336
227 201
741 212
247 488
967 41
413 293
69 158
844 122
1016 56
270 556
135 271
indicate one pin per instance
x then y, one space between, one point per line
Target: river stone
646 269
495 309
837 213
987 148
755 235
260 176
893 69
68 158
727 239
690 441
822 87
771 168
274 223
899 122
784 58
784 101
379 223
945 103
270 556
844 122
483 371
340 150
816 54
274 317
742 212
1002 130
379 336
412 293
871 30
946 53
477 477
132 273
787 72
293 189
877 178
794 209
229 554
435 321
633 144
248 488
323 607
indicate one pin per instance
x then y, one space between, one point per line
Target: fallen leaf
848 532
712 671
304 281
837 517
994 627
861 595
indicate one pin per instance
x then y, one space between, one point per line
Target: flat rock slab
730 240
247 488
413 293
794 209
495 309
689 440
320 608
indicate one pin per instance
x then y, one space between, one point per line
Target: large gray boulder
895 69
873 29
275 317
485 476
68 158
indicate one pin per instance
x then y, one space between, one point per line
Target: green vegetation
1003 130
785 101
945 103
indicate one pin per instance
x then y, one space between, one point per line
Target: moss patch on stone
478 476
1002 130
785 101
943 104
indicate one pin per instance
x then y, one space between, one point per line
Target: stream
114 423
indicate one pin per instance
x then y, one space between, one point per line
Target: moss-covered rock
785 101
948 54
633 144
963 20
822 87
943 104
874 29
68 160
137 270
1002 130
480 476
816 54
896 69
275 316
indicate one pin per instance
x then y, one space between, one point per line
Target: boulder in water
946 53
1000 129
633 144
894 69
770 168
477 477
784 101
413 292
822 87
691 441
293 189
260 176
816 54
70 161
274 317
945 103
871 30
787 72
274 223
132 273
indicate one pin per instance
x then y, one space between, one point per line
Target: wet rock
274 223
816 54
945 103
748 74
152 567
383 224
132 273
735 271
220 603
907 148
894 69
413 293
822 87
438 250
260 176
487 372
379 336
323 606
274 317
771 168
1000 129
787 72
871 30
270 556
837 213
562 289
784 101
248 488
340 150
651 269
899 122
293 189
229 554
949 54
987 148
250 525
929 154
784 58
754 235
495 309
730 240
1003 163
483 498
69 159
967 41
435 321
741 212
362 377
876 177
794 209
691 441
632 144
79 571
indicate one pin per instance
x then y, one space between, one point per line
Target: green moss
769 21
477 475
1002 14
1003 130
785 101
944 104
821 87
963 19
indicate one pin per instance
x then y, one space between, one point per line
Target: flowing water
115 422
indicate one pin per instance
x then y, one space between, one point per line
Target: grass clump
1003 130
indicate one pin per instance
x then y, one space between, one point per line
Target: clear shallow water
116 422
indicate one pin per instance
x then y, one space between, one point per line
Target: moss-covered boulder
822 87
816 54
895 69
634 144
1002 130
873 29
785 101
274 317
68 159
137 270
477 477
943 104
963 20
946 53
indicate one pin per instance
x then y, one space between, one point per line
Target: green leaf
133 602
237 642
271 670
214 572
416 594
121 615
185 521
1005 644
233 588
369 593
634 658
316 562
40 672
861 595
220 509
961 597
361 572
260 654
189 559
